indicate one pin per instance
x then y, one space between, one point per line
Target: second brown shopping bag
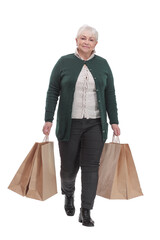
36 177
118 177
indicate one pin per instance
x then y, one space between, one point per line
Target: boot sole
80 220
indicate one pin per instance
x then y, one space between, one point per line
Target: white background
34 34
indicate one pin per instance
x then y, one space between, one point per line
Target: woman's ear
76 41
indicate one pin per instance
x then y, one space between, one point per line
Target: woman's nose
86 41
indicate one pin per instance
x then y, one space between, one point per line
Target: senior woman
85 85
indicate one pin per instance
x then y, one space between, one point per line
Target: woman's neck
83 55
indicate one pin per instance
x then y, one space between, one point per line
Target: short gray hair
87 28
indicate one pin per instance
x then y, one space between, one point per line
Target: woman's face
86 42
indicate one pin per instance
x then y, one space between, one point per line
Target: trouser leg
91 149
70 157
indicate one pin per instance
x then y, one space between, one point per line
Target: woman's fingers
46 128
116 129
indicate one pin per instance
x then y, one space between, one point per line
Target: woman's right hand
47 128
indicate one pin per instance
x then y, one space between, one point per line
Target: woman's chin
86 50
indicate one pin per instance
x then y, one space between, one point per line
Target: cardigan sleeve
53 92
110 97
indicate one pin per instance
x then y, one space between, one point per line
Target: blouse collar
77 54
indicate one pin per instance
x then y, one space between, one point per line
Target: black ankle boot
84 217
69 205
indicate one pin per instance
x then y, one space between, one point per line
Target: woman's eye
84 39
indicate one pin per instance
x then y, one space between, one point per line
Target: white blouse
85 104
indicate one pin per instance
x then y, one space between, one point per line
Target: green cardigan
62 84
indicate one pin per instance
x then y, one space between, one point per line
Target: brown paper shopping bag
21 179
36 177
118 177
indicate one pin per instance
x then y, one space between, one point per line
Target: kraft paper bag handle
115 138
46 138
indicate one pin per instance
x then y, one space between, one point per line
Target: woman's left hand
116 129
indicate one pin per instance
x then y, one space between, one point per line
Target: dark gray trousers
82 150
